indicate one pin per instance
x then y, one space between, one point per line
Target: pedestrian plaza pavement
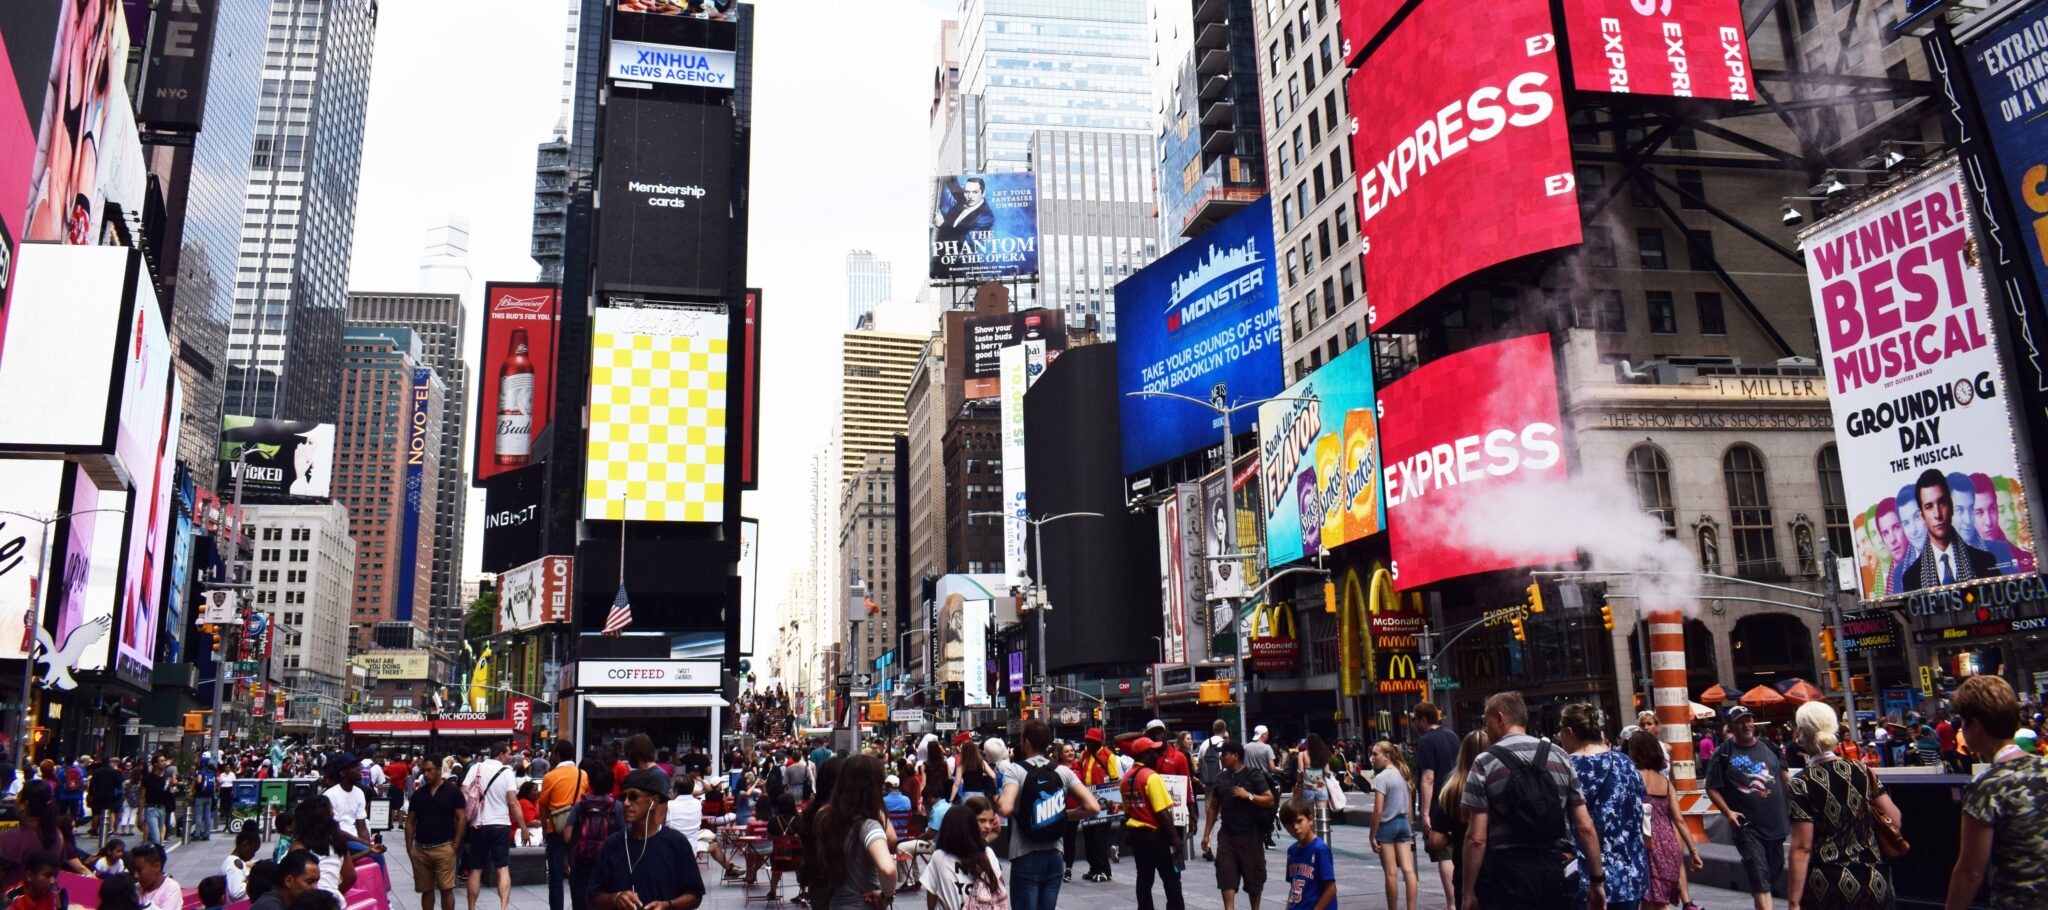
1359 881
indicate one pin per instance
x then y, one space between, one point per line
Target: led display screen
1681 48
657 415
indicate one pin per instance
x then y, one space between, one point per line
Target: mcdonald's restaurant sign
1390 637
1276 647
1352 645
1396 672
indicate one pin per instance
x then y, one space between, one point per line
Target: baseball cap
962 738
1093 736
995 750
1259 730
1738 713
1156 724
647 780
1141 745
893 781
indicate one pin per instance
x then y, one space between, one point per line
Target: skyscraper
298 228
375 466
437 320
444 267
869 281
877 367
1054 64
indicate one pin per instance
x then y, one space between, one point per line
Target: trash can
246 804
272 800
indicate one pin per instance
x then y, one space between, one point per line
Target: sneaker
1067 876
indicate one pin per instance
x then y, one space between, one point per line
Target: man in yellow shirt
561 788
1148 824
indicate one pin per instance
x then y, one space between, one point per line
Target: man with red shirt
1173 761
1945 739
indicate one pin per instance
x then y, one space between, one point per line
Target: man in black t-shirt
648 866
157 801
1241 797
1436 757
433 834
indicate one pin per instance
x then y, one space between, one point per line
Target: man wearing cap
1148 824
1747 782
1258 756
1036 866
1173 761
1098 766
648 866
894 801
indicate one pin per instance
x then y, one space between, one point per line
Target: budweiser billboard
517 387
1456 433
1687 49
1464 161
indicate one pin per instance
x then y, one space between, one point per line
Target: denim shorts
1396 831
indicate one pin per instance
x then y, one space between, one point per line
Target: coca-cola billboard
517 388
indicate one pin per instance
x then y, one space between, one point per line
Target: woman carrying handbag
1838 807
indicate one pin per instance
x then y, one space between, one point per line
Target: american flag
621 615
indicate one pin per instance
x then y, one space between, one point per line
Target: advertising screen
657 415
2009 70
518 387
1319 461
1465 161
1360 21
63 296
170 648
984 226
1208 312
750 560
535 594
1923 414
82 91
290 457
512 519
727 11
180 54
1455 433
89 584
749 463
418 420
1689 49
636 61
987 336
145 382
27 37
974 650
149 537
665 194
29 487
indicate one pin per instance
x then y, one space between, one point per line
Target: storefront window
1749 513
1650 474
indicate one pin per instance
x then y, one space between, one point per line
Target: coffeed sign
646 674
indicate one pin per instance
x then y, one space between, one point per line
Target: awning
619 700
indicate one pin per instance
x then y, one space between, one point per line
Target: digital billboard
749 462
1319 461
657 415
65 322
1456 432
1464 161
665 196
2009 69
636 61
27 38
149 534
708 10
749 564
987 336
1360 21
170 648
984 226
83 94
88 585
535 594
1691 49
1181 576
28 487
419 420
1208 312
180 57
512 519
521 323
290 457
1923 413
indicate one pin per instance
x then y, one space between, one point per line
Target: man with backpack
1747 782
1035 797
433 835
204 784
591 822
1209 767
493 810
1525 805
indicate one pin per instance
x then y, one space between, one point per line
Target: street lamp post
1043 601
33 616
220 641
1219 402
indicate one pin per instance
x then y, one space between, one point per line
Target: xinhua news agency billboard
1456 434
1464 161
1319 461
984 226
1208 312
1923 413
2009 70
518 387
1688 49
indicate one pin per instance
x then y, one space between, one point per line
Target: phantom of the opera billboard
984 227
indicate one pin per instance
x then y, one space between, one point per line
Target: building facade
867 548
877 367
303 569
437 319
1096 221
298 228
1052 64
973 454
390 428
1209 133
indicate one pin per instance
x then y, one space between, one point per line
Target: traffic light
1535 597
1098 714
1607 617
1827 647
1834 679
1329 596
1521 634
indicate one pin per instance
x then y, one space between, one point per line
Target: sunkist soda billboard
1450 149
517 388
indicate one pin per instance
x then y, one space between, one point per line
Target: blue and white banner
633 61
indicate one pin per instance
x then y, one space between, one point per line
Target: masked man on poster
1947 559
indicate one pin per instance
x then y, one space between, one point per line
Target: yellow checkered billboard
657 415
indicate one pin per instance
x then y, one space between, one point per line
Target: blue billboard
2009 69
415 481
984 227
1205 313
1319 461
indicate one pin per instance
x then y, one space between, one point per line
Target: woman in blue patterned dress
1614 797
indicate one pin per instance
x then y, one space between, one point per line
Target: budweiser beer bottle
515 404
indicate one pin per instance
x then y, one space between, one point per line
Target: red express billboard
1360 21
1454 436
518 387
1681 48
1463 160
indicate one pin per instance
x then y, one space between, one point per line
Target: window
1300 145
1749 513
1642 194
1343 220
1322 189
1330 112
1663 313
1308 254
1807 17
1293 268
1289 34
1600 247
1294 91
1295 313
1350 288
1650 474
1329 296
1685 138
1350 336
1273 57
1323 51
1608 312
1711 320
1323 239
1311 301
1286 208
1699 250
1650 246
1315 128
1834 503
1692 190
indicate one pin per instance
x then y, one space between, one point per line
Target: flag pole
622 540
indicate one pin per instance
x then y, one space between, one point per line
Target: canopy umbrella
1801 692
1716 694
1760 697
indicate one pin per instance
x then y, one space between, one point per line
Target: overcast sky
458 101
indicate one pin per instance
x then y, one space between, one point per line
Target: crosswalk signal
1535 597
1521 634
1827 647
1607 617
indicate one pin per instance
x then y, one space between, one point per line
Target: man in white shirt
373 773
686 815
236 867
490 837
351 809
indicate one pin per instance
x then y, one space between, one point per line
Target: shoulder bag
1890 841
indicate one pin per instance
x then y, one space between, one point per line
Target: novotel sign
646 674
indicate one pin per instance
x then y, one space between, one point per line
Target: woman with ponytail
40 829
1614 798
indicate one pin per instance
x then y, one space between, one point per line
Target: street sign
859 691
245 666
901 715
1445 684
946 726
863 680
305 699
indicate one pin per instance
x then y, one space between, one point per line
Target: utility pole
233 581
1831 573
